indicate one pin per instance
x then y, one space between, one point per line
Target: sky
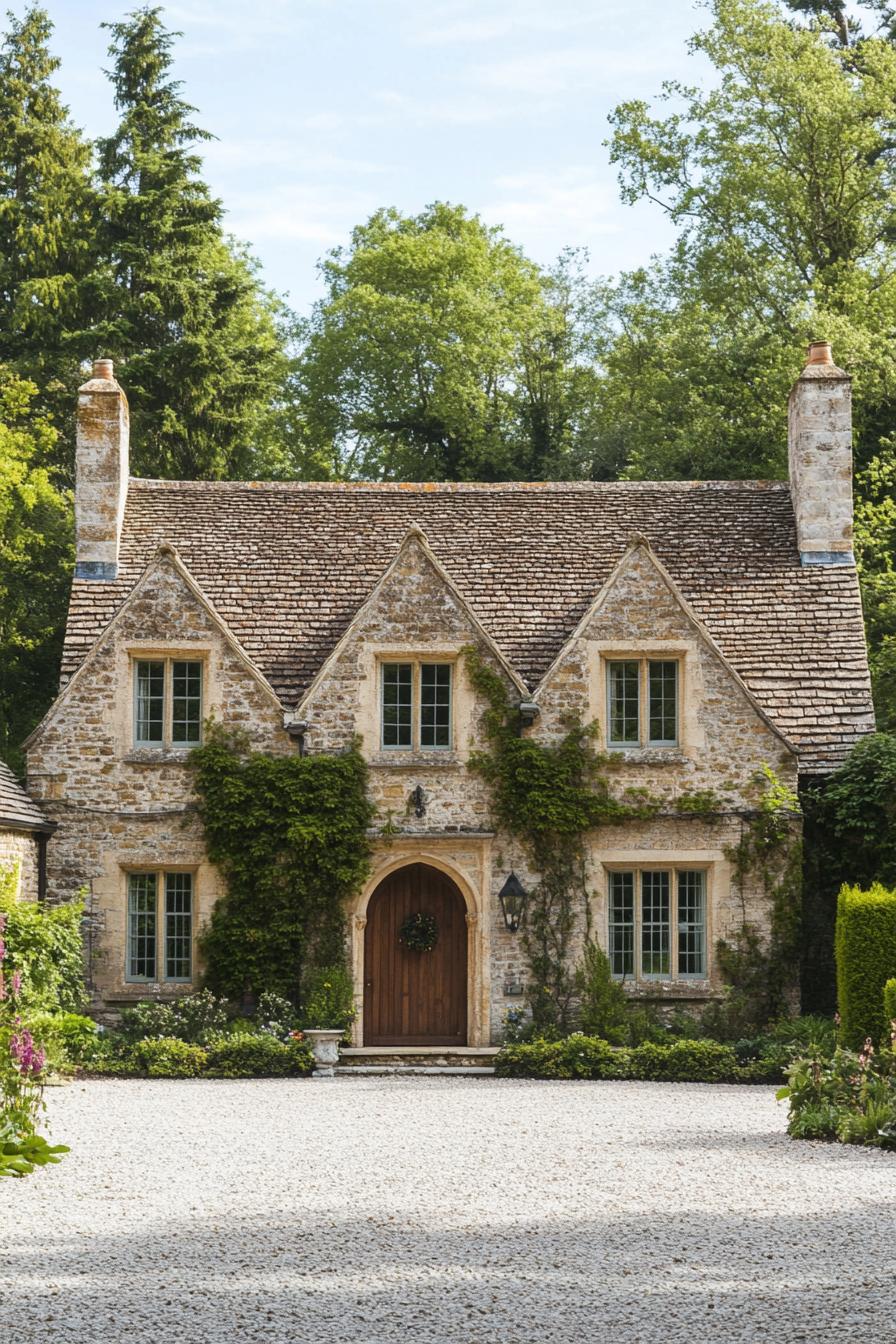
325 110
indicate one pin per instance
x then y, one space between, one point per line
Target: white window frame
416 663
644 661
161 916
167 660
673 869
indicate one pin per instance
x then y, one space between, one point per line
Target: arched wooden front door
415 998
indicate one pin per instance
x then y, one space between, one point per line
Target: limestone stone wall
18 850
820 452
414 615
724 739
119 807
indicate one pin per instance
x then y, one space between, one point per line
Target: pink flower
28 1059
2 987
16 982
2 949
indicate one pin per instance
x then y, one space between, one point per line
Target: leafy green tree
440 352
183 307
782 182
35 559
47 236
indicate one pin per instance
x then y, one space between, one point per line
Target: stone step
419 1070
419 1058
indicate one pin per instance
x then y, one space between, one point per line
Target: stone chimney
101 473
819 441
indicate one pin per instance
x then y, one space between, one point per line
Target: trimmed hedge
588 1057
865 947
889 1008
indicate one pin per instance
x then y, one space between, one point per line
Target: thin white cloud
571 206
288 154
481 22
556 72
299 212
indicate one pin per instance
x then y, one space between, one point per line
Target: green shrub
865 946
259 1057
167 1057
197 1019
68 1038
149 1018
44 944
603 1010
845 1096
329 999
579 1056
890 1009
685 1062
576 1056
275 1015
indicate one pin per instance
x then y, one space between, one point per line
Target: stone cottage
709 628
24 832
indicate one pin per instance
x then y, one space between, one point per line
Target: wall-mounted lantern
418 801
513 902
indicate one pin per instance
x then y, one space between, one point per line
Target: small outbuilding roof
288 564
17 811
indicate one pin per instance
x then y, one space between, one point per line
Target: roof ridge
457 487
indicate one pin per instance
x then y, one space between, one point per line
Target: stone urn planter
324 1044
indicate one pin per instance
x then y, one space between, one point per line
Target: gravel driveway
437 1209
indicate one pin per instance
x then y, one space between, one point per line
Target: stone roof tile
16 808
287 565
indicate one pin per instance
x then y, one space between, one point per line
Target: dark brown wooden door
415 998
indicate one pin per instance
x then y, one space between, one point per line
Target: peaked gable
164 585
640 601
415 611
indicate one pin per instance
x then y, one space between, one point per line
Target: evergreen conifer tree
47 235
183 309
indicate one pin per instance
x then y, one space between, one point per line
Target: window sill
135 991
415 760
159 755
648 755
670 989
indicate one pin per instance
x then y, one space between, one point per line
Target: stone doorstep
415 1070
417 1059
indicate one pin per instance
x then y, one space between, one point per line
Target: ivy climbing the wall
548 796
289 834
762 973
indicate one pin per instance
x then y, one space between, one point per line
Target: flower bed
846 1096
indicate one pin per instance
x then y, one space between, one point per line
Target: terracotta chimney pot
819 353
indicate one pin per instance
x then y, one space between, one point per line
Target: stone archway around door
410 997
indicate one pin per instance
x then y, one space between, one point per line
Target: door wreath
419 932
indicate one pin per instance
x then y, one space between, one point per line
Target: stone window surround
691 737
138 650
161 982
366 687
168 656
717 869
416 662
